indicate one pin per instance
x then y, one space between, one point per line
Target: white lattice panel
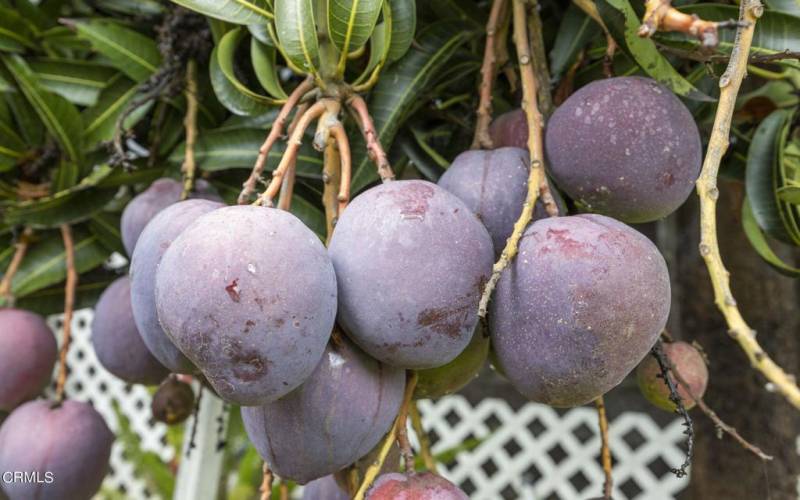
535 453
88 381
532 453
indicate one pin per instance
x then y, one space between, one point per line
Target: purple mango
625 147
248 294
337 416
411 260
144 206
28 354
494 185
157 236
67 447
116 340
416 486
579 307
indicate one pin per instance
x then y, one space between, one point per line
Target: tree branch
331 178
658 353
422 437
718 422
69 304
536 177
374 147
660 15
189 166
785 384
402 425
249 186
19 254
266 482
481 138
539 53
374 469
605 449
290 155
343 145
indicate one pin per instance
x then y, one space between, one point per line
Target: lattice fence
532 453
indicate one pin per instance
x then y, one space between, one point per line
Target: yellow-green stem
738 329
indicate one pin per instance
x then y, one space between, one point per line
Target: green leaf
399 89
15 36
351 22
789 6
377 51
404 24
760 244
66 176
623 23
221 150
101 118
574 32
30 127
59 115
230 91
233 11
261 33
145 8
789 194
129 51
66 207
12 147
297 33
105 225
775 31
263 59
50 300
120 177
63 38
760 176
465 11
45 262
80 82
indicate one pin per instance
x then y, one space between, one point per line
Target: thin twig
249 186
718 422
374 147
658 353
189 167
729 82
6 295
290 154
283 490
287 187
343 144
266 482
331 177
536 176
402 426
195 421
69 305
779 56
375 467
608 58
660 15
481 139
605 449
422 437
539 53
503 56
301 110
